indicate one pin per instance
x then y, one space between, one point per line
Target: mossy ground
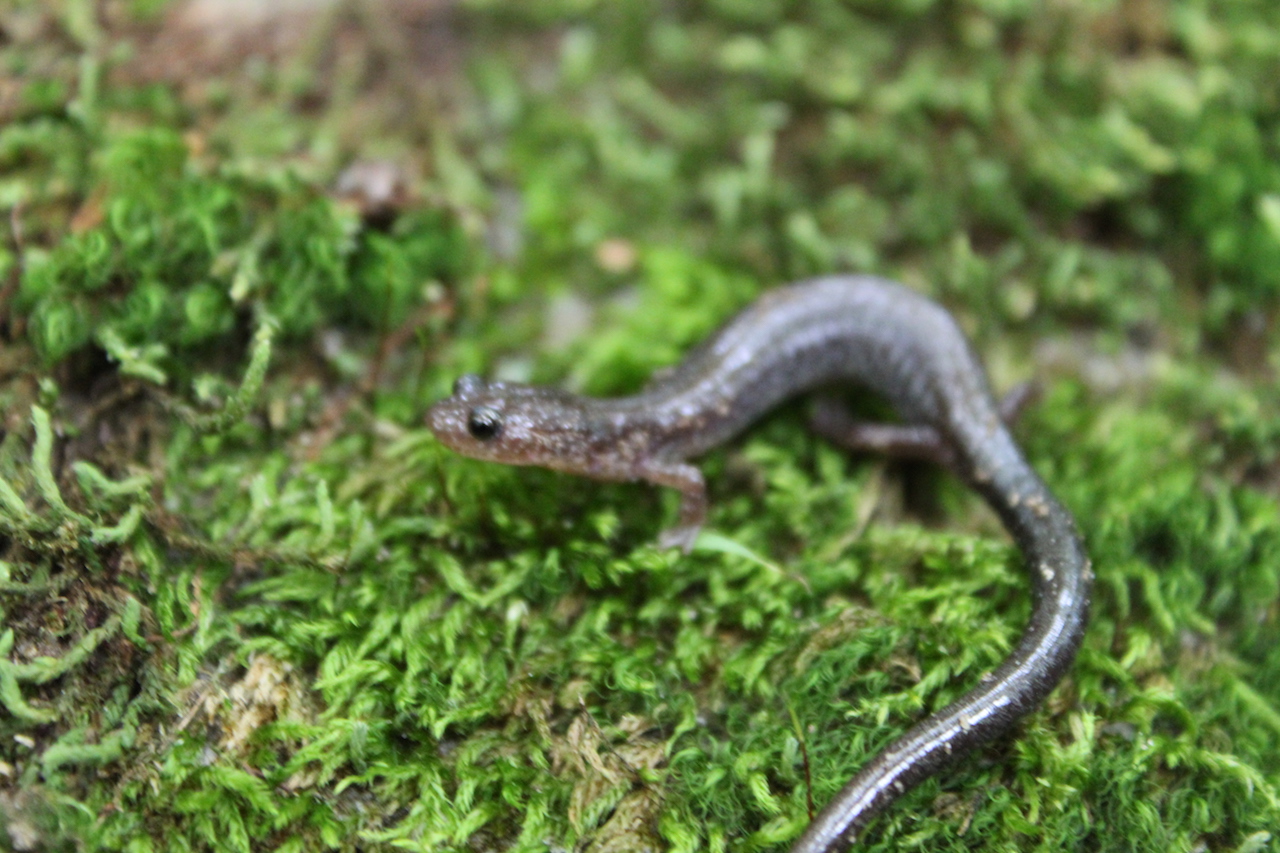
249 604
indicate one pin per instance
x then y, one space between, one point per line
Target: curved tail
1061 578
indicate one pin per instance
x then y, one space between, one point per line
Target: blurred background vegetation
248 604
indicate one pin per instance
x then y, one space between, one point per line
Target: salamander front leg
687 480
908 441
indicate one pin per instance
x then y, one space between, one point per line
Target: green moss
249 603
181 253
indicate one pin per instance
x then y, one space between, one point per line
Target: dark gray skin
856 329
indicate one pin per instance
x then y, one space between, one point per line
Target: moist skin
864 331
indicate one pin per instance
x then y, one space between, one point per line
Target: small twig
391 342
804 758
168 526
50 584
10 285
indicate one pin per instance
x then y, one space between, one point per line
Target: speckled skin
858 329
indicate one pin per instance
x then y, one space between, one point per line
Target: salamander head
513 424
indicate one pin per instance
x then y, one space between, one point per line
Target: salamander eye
484 423
467 384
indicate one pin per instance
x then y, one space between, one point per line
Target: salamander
794 339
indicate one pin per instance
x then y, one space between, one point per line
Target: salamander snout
461 426
515 424
466 420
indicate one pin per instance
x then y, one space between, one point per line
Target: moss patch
249 604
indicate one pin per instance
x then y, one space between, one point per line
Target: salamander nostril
484 423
